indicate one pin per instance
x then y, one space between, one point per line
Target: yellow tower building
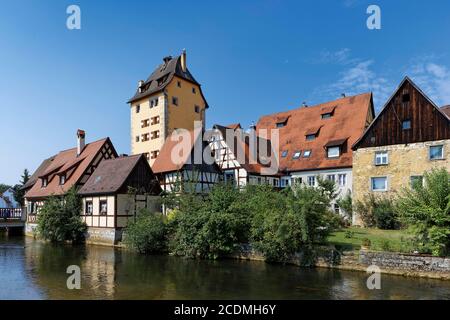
169 99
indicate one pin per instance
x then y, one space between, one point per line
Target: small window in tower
406 97
193 90
197 109
179 84
138 108
175 101
137 138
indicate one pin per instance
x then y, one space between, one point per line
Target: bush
346 204
209 227
147 234
59 219
377 212
426 208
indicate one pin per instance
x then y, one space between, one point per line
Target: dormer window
327 112
327 115
62 179
310 137
282 121
297 154
333 152
312 133
44 182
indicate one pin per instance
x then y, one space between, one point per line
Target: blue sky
251 57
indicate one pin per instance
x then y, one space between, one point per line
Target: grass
381 240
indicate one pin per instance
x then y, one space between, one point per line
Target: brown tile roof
111 175
39 171
242 147
345 126
62 161
162 76
234 126
172 156
446 110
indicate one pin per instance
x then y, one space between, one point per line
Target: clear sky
251 57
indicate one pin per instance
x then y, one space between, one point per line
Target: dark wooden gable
142 179
408 103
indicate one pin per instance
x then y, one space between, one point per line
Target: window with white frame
89 207
311 181
333 152
103 207
306 153
437 152
342 179
381 158
378 183
296 155
331 177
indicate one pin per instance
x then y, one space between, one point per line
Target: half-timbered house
59 173
115 193
410 135
185 161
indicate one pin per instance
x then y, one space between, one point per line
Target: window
175 101
333 152
337 209
229 177
153 102
145 123
103 207
137 138
147 155
406 97
281 124
145 137
306 153
297 154
179 84
284 154
312 181
197 109
88 208
62 179
331 177
155 134
406 124
381 158
138 108
193 90
327 115
416 181
298 181
154 154
44 182
379 183
342 179
154 120
437 152
275 182
310 137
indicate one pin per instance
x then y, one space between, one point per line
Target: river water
34 270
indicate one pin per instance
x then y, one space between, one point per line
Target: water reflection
40 272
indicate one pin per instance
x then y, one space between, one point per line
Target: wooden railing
11 213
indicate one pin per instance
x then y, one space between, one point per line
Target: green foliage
426 208
59 218
209 226
4 187
302 220
346 204
349 234
366 242
147 234
378 212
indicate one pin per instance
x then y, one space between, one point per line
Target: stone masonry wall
404 161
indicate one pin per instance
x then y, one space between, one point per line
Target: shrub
346 204
426 208
59 218
377 212
366 242
147 234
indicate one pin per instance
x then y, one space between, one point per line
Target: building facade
169 99
410 136
114 194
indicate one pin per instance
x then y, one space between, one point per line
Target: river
35 270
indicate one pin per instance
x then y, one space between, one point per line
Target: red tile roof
60 163
346 125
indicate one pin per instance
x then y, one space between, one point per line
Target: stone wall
404 161
408 262
103 236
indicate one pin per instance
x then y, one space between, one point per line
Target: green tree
59 218
4 187
147 234
19 193
426 208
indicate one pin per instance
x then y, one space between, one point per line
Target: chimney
304 104
140 85
253 126
342 95
167 59
183 60
80 141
